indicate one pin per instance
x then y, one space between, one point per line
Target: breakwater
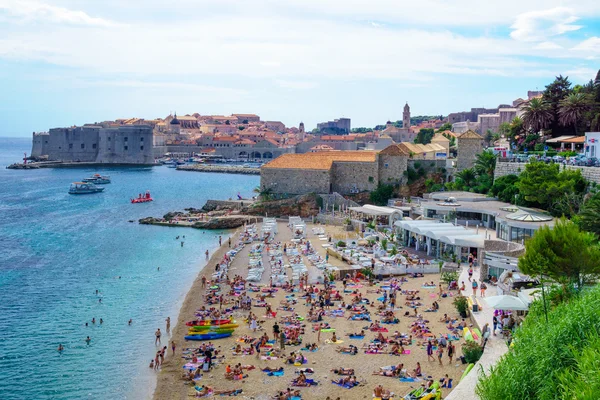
228 169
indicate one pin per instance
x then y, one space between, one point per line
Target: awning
506 302
576 140
559 139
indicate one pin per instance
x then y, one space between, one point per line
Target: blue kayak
208 336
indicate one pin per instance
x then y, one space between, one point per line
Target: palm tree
468 176
485 164
537 114
572 109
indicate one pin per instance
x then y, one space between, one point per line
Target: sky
69 62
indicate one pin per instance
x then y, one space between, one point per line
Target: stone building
492 122
337 126
406 116
469 145
129 144
442 141
462 127
344 172
472 115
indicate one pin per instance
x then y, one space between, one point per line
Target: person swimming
60 348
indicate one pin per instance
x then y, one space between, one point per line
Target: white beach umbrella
506 302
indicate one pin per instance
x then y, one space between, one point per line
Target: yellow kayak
213 327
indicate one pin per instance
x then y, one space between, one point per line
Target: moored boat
84 188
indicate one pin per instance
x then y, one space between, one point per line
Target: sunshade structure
507 303
370 211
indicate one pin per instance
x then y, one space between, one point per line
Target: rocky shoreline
228 169
232 214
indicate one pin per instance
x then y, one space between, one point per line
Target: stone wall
467 152
391 168
39 145
126 144
429 165
348 177
504 168
295 181
73 144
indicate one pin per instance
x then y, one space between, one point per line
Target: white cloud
299 85
536 26
27 11
547 46
581 73
591 45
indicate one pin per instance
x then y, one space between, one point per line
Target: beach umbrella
505 302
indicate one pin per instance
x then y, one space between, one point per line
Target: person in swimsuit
88 340
168 320
157 334
60 348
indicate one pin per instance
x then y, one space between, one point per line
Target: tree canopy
424 136
589 216
564 253
545 186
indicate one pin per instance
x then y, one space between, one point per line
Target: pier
228 169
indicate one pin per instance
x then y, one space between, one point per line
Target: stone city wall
504 168
349 177
295 181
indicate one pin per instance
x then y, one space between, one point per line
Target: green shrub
341 243
461 304
472 352
554 360
448 276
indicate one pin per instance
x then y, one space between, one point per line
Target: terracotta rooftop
320 160
470 135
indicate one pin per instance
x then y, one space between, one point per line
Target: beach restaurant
439 239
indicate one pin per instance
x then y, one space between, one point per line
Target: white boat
98 179
84 188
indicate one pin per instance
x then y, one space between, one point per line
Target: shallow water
57 249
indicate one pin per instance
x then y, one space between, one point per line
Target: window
94 146
386 165
141 147
141 139
83 145
109 138
70 145
125 139
371 179
125 148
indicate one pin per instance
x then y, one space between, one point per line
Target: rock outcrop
304 206
224 222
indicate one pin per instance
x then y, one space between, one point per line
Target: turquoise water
57 249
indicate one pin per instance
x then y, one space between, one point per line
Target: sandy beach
258 385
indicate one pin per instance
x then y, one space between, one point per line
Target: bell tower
406 116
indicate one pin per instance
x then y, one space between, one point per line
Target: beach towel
356 337
379 330
374 352
345 385
276 373
305 349
268 358
309 382
233 394
330 342
409 379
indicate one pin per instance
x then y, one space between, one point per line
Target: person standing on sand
430 351
450 351
282 340
203 282
229 242
440 354
168 320
157 334
173 346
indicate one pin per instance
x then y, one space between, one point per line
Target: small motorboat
84 188
142 198
98 179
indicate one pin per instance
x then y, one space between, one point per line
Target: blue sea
57 249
